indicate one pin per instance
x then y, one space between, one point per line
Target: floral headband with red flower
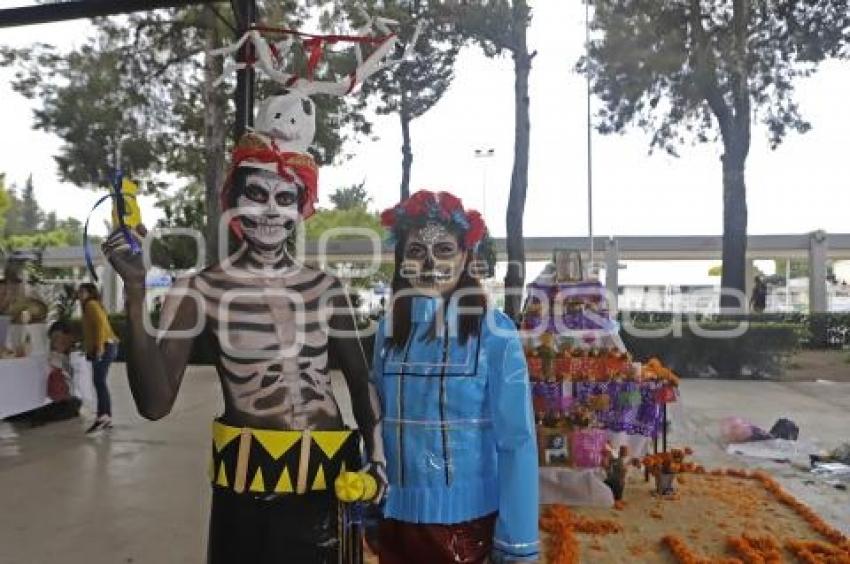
425 207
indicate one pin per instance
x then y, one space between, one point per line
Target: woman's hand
130 266
379 473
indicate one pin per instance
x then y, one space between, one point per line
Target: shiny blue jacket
458 428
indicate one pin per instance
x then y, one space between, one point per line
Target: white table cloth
23 383
574 486
83 385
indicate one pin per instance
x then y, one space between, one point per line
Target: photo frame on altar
554 448
568 265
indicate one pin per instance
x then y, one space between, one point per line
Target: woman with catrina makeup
458 426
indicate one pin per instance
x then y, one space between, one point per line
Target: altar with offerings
595 407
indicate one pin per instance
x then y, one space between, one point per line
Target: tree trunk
215 133
736 141
406 148
515 277
733 277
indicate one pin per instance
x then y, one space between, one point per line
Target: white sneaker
101 423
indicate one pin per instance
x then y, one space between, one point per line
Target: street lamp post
484 154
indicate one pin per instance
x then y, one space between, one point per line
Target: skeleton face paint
433 259
268 208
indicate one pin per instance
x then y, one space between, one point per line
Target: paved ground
139 493
808 365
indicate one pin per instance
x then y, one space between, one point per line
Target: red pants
419 543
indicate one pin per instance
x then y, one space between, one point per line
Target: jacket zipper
444 429
400 405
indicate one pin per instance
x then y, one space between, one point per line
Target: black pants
287 529
56 411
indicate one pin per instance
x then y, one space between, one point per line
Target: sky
800 187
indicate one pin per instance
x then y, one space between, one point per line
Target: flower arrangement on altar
664 466
672 462
654 370
572 363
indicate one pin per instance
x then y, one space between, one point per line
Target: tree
413 87
184 209
25 225
92 102
51 221
5 202
31 214
687 70
11 211
499 26
142 88
323 220
352 197
350 211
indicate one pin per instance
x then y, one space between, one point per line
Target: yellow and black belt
263 461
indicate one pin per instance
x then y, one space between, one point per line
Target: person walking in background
101 348
758 301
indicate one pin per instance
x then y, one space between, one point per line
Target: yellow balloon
355 486
132 212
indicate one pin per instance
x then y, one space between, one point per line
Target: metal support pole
78 9
818 247
245 12
788 284
612 271
590 266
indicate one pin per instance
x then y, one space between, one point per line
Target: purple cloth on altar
643 419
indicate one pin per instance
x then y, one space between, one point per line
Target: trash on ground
739 430
774 449
785 429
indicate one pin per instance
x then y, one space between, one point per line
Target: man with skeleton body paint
281 441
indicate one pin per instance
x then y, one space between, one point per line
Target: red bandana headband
253 148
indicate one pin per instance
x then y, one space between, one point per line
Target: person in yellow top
101 346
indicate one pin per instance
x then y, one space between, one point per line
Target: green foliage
31 214
717 270
25 225
184 209
489 25
678 70
92 101
500 26
138 83
5 202
352 197
351 211
799 268
413 87
695 71
38 240
762 351
64 303
325 220
816 331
